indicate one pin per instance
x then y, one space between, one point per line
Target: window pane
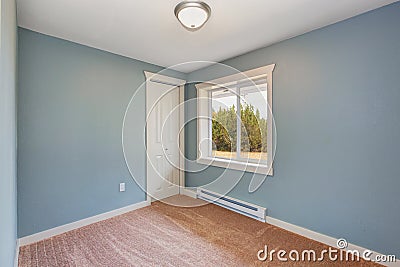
253 115
224 121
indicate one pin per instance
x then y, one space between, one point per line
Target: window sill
237 165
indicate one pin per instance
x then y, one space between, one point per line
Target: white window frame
204 155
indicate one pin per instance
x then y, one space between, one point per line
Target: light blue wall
72 100
8 176
337 112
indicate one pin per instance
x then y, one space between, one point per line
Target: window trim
204 127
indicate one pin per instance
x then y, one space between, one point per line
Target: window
235 121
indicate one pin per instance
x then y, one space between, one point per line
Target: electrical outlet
122 187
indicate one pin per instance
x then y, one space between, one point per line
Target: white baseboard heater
230 203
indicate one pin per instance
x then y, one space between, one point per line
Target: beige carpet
164 235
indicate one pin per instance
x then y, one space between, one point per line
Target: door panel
163 124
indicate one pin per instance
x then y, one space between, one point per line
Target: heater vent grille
230 203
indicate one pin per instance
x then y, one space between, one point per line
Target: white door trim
159 78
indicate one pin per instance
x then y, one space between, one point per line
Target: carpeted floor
164 235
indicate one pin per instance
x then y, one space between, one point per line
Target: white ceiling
148 30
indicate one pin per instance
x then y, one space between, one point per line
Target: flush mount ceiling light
192 14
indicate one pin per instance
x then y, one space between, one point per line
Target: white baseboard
302 231
74 225
328 240
16 253
189 192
